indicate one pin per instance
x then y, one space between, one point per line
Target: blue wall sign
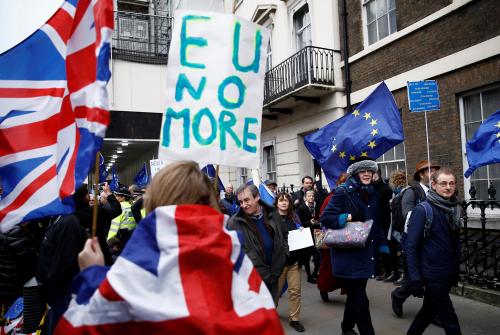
423 96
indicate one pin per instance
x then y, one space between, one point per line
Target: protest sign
155 166
215 87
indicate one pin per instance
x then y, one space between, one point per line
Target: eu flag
484 147
209 170
114 185
103 174
142 178
369 131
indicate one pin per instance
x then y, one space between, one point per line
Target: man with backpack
432 247
401 205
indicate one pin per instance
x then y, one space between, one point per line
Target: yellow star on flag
334 148
368 115
372 144
498 134
342 154
498 124
351 157
364 153
356 113
374 132
373 122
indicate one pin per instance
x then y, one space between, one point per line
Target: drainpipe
345 55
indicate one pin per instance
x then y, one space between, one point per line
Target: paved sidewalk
475 318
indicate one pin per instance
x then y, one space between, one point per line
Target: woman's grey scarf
450 206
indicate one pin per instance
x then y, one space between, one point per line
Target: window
392 160
269 57
476 108
270 162
302 27
243 176
380 19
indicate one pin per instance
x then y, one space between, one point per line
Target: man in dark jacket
433 253
264 240
411 198
230 202
105 213
58 263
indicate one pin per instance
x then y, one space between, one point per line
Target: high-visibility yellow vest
123 221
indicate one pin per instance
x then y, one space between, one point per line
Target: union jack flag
181 272
53 110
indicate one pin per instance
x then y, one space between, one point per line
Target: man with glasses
432 248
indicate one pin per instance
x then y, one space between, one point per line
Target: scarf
450 207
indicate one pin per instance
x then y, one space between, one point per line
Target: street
317 317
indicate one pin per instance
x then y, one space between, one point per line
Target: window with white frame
380 19
392 160
477 107
270 162
302 27
243 176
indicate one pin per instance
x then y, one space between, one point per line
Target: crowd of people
413 242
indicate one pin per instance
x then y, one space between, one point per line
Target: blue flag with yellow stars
141 179
369 131
114 185
484 147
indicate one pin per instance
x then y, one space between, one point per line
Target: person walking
291 272
354 202
432 247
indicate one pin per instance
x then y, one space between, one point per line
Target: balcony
142 38
305 76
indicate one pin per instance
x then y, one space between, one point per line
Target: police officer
123 225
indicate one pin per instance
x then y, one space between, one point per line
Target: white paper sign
155 166
299 239
215 90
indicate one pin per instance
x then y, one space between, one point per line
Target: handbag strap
350 200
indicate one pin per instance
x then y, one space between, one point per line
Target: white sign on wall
215 88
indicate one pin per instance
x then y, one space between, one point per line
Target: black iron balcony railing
142 38
311 65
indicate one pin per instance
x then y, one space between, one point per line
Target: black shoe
312 280
324 296
400 281
437 322
393 277
297 326
397 305
350 332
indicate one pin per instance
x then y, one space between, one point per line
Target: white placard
300 239
215 90
155 166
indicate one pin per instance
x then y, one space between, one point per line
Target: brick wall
354 26
444 125
463 28
410 11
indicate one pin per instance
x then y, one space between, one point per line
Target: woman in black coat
356 201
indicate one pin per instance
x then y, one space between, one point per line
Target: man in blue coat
433 253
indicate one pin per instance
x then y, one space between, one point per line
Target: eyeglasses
450 184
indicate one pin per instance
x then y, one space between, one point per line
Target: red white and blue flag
182 272
53 110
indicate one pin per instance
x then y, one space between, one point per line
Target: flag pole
216 181
428 151
96 199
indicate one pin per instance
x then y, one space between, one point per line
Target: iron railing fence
480 260
143 38
310 65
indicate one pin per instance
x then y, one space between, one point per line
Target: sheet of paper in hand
300 239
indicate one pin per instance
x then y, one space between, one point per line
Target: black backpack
397 218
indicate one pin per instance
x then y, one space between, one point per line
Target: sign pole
216 181
96 199
427 141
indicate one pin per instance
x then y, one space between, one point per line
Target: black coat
58 261
253 245
354 263
105 214
384 194
18 257
289 225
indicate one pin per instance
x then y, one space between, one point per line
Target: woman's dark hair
290 214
